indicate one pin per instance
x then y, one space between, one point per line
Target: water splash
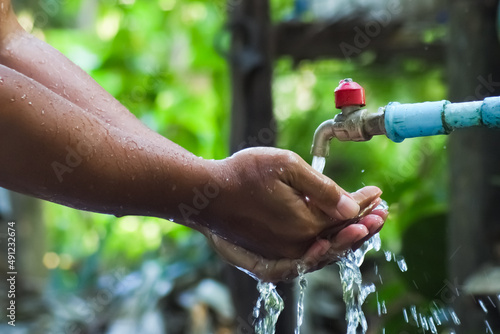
265 322
354 292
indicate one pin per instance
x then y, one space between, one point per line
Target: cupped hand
277 207
322 252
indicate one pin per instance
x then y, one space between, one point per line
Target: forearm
38 60
52 149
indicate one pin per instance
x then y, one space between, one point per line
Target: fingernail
347 207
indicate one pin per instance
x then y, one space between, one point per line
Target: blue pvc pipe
442 117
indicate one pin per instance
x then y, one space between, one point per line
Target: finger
324 193
383 213
373 223
346 238
365 196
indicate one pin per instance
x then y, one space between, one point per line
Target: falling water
300 302
265 322
354 291
318 163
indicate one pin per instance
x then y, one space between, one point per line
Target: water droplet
402 263
432 326
488 328
30 103
423 322
23 97
379 308
413 311
388 256
435 315
362 171
481 303
384 308
43 112
13 100
405 315
454 317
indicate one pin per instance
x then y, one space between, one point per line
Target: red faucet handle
349 93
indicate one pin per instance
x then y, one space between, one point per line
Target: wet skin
63 138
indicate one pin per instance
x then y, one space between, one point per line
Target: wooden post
251 72
474 226
252 125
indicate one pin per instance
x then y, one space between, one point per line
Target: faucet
399 121
352 123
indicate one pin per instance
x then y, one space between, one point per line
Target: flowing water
300 303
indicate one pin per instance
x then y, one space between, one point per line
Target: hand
320 254
277 206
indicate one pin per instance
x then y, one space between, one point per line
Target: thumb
324 192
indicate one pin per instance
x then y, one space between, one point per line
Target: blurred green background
158 58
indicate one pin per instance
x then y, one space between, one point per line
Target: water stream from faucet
354 292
